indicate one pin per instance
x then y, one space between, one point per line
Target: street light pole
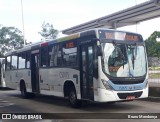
23 23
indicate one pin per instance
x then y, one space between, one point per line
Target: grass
154 75
154 68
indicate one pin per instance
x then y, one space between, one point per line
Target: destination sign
131 37
118 35
69 45
121 36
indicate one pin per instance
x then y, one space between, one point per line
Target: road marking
4 103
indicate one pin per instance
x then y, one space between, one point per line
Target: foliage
48 32
152 45
154 68
154 75
10 38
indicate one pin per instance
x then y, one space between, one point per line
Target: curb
151 99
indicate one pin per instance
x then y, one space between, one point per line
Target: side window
55 55
90 59
44 57
21 60
28 60
8 62
14 62
69 54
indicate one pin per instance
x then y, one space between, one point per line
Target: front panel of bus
122 66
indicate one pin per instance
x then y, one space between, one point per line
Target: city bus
2 65
99 65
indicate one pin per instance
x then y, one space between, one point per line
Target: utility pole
23 23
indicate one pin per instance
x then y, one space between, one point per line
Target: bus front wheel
74 102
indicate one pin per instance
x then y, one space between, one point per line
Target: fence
154 75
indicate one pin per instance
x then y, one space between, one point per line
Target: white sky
65 13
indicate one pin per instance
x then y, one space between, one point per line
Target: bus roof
66 38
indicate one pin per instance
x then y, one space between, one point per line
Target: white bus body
2 68
99 65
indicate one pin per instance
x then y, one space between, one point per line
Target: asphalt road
11 102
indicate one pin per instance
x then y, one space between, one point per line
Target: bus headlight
107 86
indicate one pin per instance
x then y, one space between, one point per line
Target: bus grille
124 95
127 81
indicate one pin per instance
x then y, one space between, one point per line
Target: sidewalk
151 99
154 82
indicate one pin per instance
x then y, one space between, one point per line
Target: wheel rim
23 91
72 98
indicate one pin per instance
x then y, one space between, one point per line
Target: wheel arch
68 85
21 82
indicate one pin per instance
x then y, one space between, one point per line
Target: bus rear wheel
24 93
74 102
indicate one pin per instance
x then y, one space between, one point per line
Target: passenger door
35 72
86 71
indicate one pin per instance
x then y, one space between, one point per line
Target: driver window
117 57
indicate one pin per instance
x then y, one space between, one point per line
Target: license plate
130 97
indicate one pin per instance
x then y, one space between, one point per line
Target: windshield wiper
134 56
135 51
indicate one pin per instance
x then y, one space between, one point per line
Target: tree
48 32
10 38
152 45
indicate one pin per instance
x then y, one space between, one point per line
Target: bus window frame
47 65
77 58
18 60
9 68
51 46
29 59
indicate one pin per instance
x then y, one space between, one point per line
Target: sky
64 14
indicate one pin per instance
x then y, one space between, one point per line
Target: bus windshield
124 60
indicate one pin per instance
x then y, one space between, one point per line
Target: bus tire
111 103
24 93
74 102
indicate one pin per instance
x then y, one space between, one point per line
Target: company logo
21 116
6 116
129 88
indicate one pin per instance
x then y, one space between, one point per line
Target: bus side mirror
99 51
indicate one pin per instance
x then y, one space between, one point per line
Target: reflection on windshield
124 60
